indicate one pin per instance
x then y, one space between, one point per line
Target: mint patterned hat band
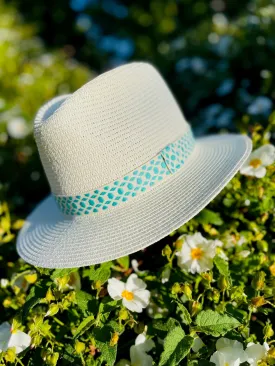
150 174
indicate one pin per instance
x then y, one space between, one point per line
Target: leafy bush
217 306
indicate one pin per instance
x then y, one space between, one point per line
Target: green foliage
215 324
176 347
68 313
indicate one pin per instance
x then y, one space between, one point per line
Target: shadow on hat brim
50 240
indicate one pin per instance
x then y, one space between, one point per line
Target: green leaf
85 302
185 315
102 338
222 266
124 262
211 322
101 274
209 217
84 326
176 347
105 308
161 327
58 273
37 293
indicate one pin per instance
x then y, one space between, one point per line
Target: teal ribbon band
140 180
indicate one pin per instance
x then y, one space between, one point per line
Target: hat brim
50 240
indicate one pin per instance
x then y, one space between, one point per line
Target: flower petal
134 283
20 341
140 358
260 172
115 288
143 343
246 169
5 334
267 154
218 358
255 353
133 305
197 345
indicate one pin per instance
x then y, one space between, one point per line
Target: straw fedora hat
124 170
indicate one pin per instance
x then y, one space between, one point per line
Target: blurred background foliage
217 56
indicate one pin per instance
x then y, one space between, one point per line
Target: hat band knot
140 180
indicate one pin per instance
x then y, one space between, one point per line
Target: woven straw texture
50 240
108 128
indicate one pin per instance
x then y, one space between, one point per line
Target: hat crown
106 129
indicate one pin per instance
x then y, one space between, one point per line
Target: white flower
232 241
13 338
18 128
197 345
197 253
133 293
244 253
138 353
256 352
4 282
258 160
135 264
260 105
229 353
19 281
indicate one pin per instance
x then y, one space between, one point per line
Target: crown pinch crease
140 180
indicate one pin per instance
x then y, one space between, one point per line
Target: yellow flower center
128 295
255 163
196 253
226 364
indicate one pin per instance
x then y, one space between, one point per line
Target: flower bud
123 314
62 282
179 242
36 340
258 301
213 295
237 294
258 282
51 359
176 288
167 251
53 309
114 339
271 353
187 290
261 192
10 355
207 279
79 347
49 296
7 302
195 308
268 331
223 283
97 284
